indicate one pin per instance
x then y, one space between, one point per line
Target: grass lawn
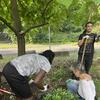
60 72
11 45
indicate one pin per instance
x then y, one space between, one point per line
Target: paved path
64 47
39 49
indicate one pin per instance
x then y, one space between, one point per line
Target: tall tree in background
21 16
81 11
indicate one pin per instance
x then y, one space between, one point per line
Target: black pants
87 62
18 83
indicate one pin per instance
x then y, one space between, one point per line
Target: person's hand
38 86
46 87
33 87
86 37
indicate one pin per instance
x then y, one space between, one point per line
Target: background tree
79 13
21 16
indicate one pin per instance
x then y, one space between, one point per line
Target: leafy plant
40 38
58 74
59 94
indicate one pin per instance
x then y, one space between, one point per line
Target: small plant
58 74
59 94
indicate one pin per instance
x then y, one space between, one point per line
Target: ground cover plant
60 73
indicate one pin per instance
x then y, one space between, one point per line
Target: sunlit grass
11 45
5 60
95 70
41 47
7 45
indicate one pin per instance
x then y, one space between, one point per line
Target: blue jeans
72 86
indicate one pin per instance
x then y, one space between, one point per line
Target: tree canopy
21 16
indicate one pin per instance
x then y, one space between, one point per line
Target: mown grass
45 45
5 60
55 77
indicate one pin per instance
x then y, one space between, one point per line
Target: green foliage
31 35
69 27
5 60
60 63
81 11
5 9
2 27
57 75
37 36
65 37
40 38
65 2
73 37
97 82
33 12
97 1
66 15
55 37
11 36
59 94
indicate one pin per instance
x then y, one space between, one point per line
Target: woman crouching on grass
84 87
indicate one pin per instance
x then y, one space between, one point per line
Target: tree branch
32 27
46 7
8 24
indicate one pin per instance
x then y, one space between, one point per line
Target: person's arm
37 82
44 68
39 77
81 41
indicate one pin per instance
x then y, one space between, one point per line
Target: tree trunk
21 44
15 16
18 27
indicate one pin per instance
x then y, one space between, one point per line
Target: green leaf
66 3
97 1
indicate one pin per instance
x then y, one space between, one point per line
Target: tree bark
15 16
21 44
18 27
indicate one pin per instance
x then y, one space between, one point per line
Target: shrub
40 38
60 94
